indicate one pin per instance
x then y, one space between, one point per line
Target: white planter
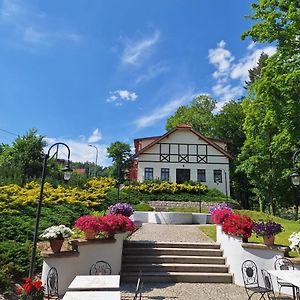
170 217
71 264
236 252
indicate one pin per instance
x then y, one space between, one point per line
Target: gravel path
170 233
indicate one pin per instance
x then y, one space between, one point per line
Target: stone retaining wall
163 205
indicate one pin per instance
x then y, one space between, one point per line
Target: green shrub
6 280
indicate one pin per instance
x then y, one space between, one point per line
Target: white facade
184 149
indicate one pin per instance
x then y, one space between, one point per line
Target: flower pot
269 240
56 245
90 234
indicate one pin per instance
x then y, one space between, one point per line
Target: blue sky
100 71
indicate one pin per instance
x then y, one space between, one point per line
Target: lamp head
295 177
67 172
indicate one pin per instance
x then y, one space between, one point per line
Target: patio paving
170 233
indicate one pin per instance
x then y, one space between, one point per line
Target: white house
180 155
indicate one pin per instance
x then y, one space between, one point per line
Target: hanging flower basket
56 245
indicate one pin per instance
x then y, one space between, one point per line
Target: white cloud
152 72
96 136
240 70
80 151
162 111
137 50
227 71
119 95
221 58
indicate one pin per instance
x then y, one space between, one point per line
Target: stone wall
163 205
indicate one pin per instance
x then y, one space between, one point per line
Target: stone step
178 277
146 244
173 259
174 267
172 251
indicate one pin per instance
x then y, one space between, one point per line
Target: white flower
56 232
294 239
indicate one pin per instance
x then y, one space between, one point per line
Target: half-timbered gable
183 154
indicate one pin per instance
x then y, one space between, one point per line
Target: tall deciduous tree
277 21
199 115
121 155
272 123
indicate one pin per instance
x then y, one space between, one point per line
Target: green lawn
187 209
281 238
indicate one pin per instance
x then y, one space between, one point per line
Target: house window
201 175
218 176
148 173
165 174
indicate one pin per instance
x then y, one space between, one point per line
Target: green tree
25 155
272 131
272 124
199 115
277 21
121 155
255 73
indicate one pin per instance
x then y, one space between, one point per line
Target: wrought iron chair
52 284
284 263
268 283
250 278
101 267
139 287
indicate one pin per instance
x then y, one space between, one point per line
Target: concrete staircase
174 262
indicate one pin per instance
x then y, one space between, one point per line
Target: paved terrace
182 291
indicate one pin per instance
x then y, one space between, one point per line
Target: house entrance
183 175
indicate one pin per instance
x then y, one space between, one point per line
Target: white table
291 276
92 295
95 283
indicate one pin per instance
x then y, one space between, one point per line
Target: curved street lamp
295 177
96 157
67 175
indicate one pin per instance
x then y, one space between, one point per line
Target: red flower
37 285
219 215
238 225
31 289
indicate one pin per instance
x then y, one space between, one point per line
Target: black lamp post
295 177
67 175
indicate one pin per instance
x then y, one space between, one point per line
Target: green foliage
277 21
272 130
121 155
25 155
199 115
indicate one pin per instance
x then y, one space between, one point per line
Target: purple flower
124 209
267 228
219 206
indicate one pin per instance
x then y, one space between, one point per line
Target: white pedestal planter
161 217
72 263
